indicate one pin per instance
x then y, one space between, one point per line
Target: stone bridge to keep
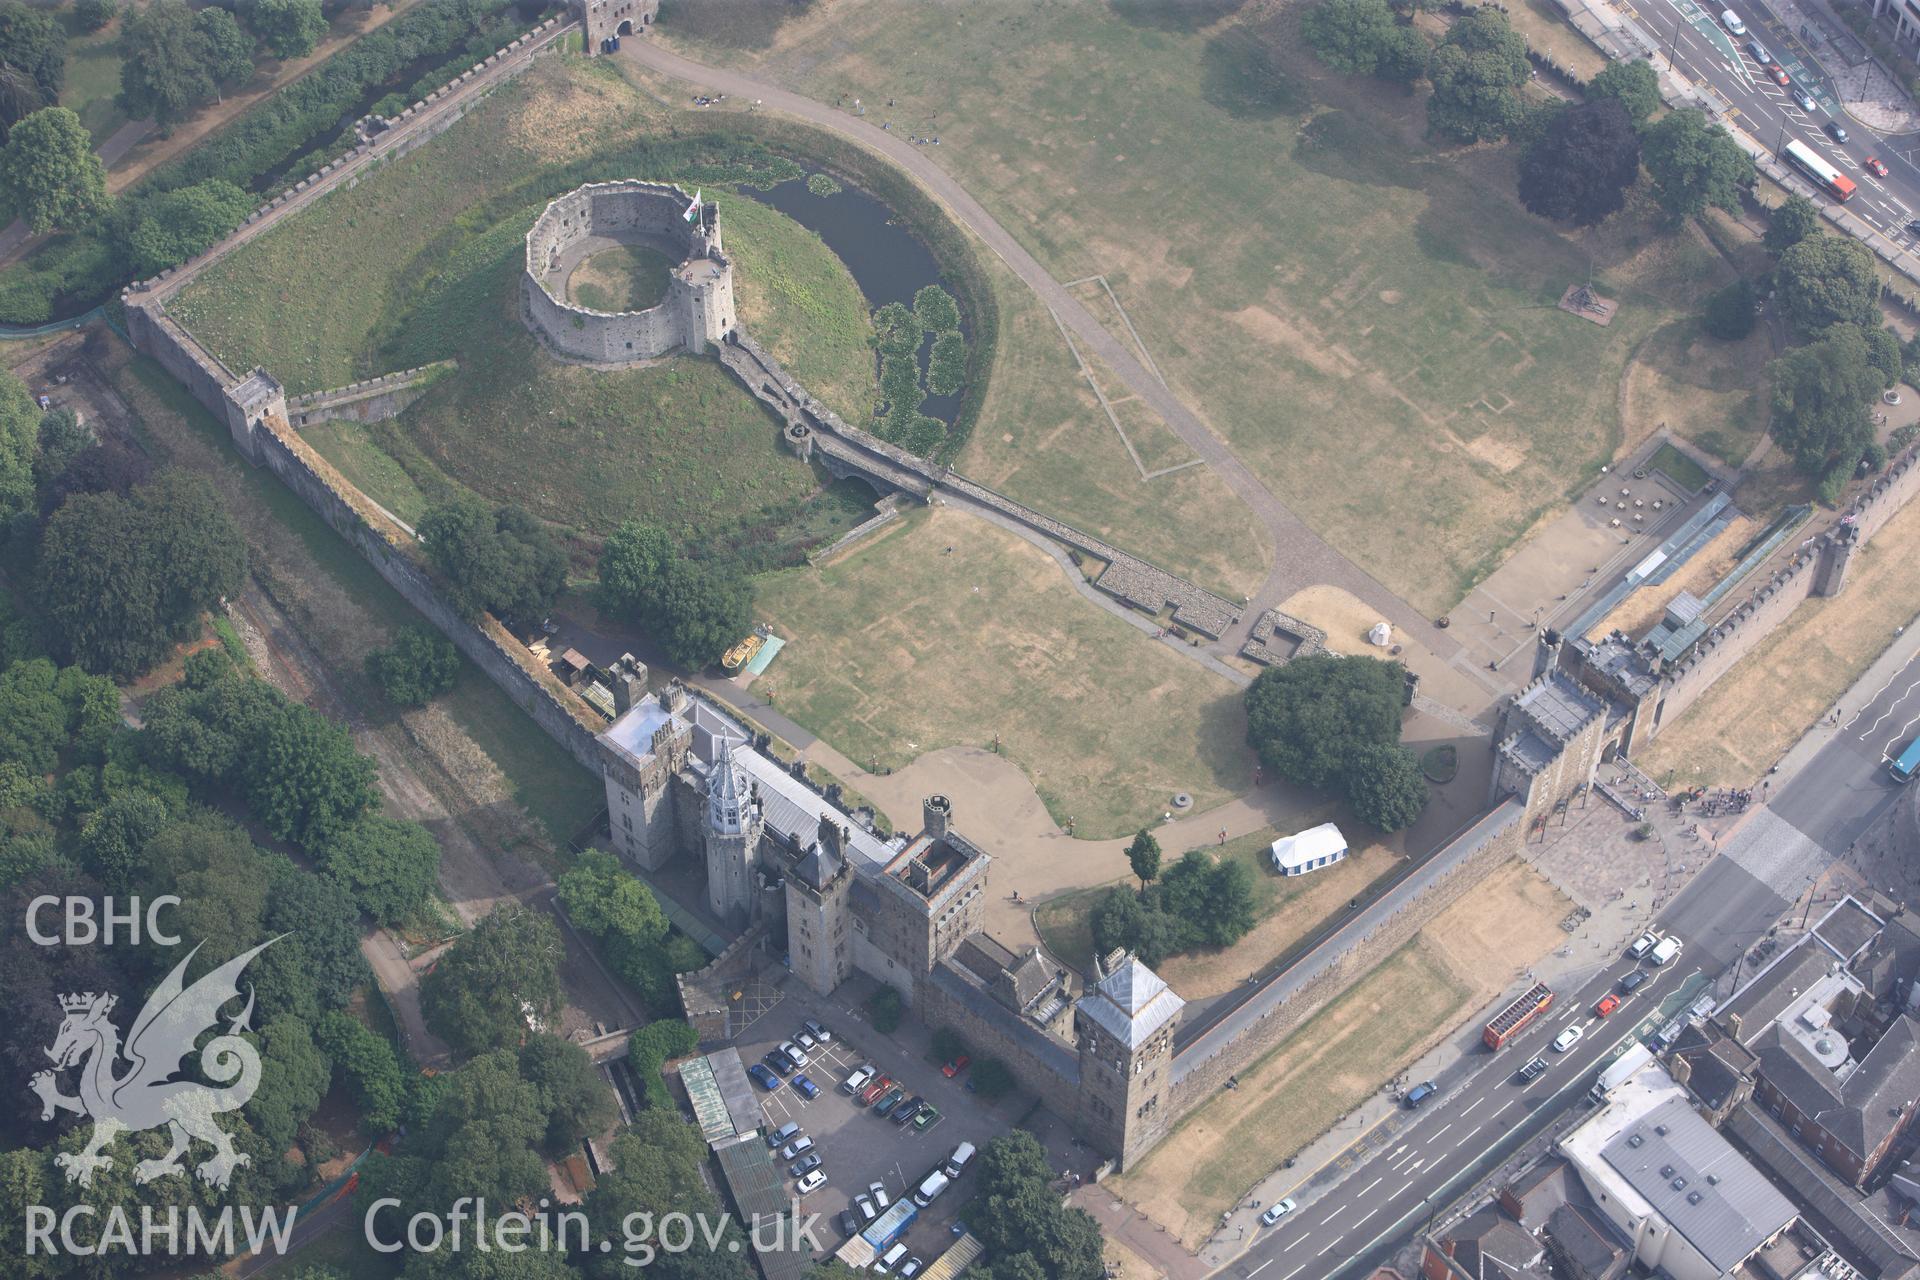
846 450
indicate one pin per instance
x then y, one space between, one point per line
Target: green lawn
1369 320
1679 468
623 278
93 77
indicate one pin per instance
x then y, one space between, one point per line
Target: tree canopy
167 69
168 228
1789 222
1143 855
33 62
49 175
1477 71
419 666
1632 83
1827 280
1197 902
1312 721
1385 786
1583 164
694 610
495 981
1820 394
389 866
1023 1223
122 580
503 561
1694 165
289 28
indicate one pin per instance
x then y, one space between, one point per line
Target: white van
891 1258
859 1080
929 1191
958 1160
1731 21
1669 948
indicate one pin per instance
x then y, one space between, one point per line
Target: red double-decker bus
1514 1019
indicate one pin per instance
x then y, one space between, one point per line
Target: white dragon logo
148 1095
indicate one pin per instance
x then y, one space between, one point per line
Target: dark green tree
293 1078
322 934
115 837
1143 855
33 62
652 1047
657 1171
1016 1212
1732 311
20 421
304 780
1789 222
1385 786
495 981
49 175
1306 718
419 666
1694 165
887 1009
1827 280
1583 165
1348 35
289 28
577 1101
171 227
388 866
1477 71
1632 83
368 1065
503 562
694 610
1883 353
95 14
485 1134
1820 394
61 438
166 69
226 51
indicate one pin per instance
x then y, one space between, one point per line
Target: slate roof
1848 929
1491 1246
1029 977
1768 994
1861 1110
1590 1243
1698 1183
1716 1063
1131 1003
818 868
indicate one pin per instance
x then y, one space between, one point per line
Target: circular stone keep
584 226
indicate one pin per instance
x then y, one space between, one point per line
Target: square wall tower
640 752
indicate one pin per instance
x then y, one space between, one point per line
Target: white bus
1814 166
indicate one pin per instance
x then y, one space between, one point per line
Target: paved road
1846 788
1300 557
1706 53
1479 1119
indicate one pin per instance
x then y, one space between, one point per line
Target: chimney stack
936 815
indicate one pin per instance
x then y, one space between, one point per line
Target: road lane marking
1503 1107
1368 1214
1262 1267
1469 1109
1371 1185
1340 1209
1442 1129
1291 1274
1296 1240
1330 1245
1414 1168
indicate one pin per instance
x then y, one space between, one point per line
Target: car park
955 1067
1836 131
813 1180
928 1117
794 1053
1876 164
860 1077
819 1033
764 1078
805 1164
1608 1003
1632 980
1731 21
807 1088
1280 1209
1805 100
875 1091
891 1100
1569 1038
1420 1093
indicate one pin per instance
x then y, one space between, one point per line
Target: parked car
1836 131
909 1109
875 1091
779 1061
812 1181
928 1117
1913 226
806 1087
910 1268
783 1135
1279 1210
806 1041
849 1223
1664 953
1533 1070
955 1067
1804 99
764 1078
805 1164
865 1205
878 1190
797 1148
1569 1038
1608 1003
859 1078
1643 944
891 1100
819 1033
794 1052
1632 980
1420 1093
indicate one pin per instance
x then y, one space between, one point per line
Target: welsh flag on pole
693 210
